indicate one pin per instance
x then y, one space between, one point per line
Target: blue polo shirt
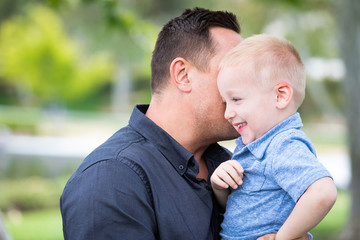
141 184
278 168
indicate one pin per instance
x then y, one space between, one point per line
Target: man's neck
203 169
167 117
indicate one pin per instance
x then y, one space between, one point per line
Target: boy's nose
229 114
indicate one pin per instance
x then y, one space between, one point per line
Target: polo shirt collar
259 146
176 154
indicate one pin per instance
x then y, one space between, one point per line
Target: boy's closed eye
236 99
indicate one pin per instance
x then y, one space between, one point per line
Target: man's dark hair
187 36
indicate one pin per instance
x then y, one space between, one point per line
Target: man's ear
179 69
284 94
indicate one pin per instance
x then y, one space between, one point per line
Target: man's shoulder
114 148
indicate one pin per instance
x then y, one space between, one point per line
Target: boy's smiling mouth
240 126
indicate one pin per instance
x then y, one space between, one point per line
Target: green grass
34 225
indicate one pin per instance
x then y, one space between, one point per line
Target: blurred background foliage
82 62
84 54
43 64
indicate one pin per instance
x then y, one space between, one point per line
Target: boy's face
250 107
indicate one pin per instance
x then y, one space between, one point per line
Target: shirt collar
173 151
176 154
259 146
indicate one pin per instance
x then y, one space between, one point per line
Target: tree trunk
349 22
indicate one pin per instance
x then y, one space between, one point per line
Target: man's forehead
220 34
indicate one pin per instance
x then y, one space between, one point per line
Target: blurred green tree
47 67
115 27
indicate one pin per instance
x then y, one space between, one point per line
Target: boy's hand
305 237
229 173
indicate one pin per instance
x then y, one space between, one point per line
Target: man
150 179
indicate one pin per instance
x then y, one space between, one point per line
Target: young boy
285 190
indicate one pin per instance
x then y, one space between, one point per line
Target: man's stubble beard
215 130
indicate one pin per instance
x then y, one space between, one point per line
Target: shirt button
181 167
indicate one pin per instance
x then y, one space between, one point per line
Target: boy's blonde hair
274 60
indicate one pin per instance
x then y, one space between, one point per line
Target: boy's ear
179 69
284 94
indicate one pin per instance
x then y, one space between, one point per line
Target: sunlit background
72 70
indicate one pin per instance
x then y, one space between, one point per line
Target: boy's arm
310 209
229 173
272 236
